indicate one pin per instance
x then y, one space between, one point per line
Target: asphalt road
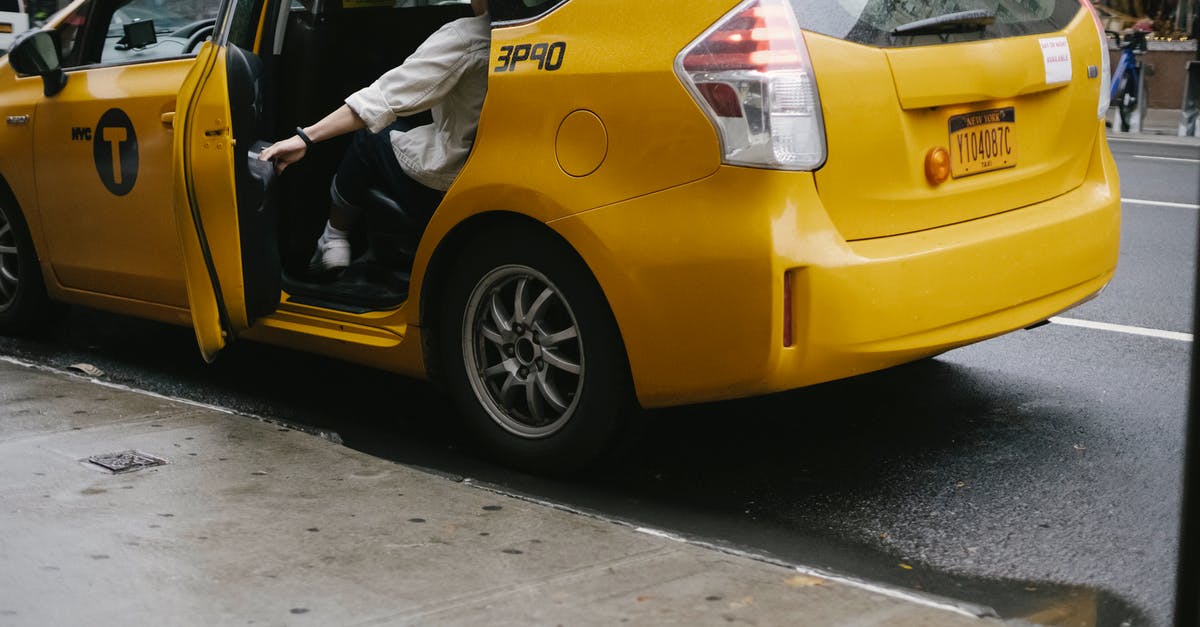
1042 464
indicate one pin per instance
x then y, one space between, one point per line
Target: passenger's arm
288 151
422 81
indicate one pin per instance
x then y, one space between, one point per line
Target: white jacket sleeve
421 81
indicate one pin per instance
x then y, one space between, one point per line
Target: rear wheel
532 354
23 302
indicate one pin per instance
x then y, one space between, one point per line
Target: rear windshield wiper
957 22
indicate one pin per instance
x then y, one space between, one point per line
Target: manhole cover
125 461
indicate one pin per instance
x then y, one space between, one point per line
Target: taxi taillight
752 75
1105 64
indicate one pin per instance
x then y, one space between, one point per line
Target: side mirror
36 54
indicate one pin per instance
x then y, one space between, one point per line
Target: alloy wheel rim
9 262
522 351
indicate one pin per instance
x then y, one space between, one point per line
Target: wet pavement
253 522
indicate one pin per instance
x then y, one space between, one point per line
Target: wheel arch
8 196
433 281
29 309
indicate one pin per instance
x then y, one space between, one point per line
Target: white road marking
1160 203
1123 328
1157 158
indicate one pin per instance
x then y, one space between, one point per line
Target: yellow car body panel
101 241
896 106
19 98
702 313
516 166
380 341
204 199
526 115
96 248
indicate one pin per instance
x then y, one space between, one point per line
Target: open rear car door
227 226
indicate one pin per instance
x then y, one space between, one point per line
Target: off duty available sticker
1056 54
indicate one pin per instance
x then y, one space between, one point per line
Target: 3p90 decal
549 56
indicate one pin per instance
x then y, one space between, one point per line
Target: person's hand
284 152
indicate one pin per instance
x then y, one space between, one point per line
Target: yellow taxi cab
667 202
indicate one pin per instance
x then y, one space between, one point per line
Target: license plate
983 141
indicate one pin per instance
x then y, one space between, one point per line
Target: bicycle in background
1128 91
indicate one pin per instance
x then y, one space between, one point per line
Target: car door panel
226 226
102 168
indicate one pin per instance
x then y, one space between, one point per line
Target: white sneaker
331 255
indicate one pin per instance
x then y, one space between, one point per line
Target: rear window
873 22
508 11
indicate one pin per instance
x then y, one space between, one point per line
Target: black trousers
371 162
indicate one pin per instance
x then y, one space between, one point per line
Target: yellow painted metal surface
19 98
367 339
106 224
206 204
582 143
885 109
98 241
695 277
657 136
625 77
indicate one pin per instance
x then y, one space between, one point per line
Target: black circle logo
115 149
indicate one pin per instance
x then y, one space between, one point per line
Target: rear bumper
695 277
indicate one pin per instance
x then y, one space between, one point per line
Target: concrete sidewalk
253 523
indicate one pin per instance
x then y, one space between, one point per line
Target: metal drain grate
125 461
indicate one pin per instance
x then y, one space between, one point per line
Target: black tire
24 306
515 387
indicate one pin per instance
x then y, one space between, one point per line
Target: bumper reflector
937 165
787 308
